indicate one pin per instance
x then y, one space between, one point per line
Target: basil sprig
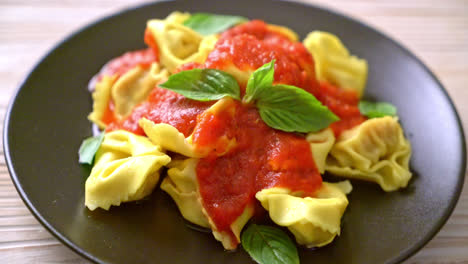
89 147
377 109
207 24
269 245
284 107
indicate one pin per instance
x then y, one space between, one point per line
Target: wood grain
436 31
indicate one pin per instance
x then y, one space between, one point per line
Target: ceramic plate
46 123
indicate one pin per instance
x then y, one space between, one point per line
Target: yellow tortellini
284 30
125 91
320 145
242 76
334 64
179 44
375 151
126 169
177 17
314 221
169 138
101 97
134 87
223 143
236 228
181 185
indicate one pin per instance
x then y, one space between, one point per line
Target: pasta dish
240 121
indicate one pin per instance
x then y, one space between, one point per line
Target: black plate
46 123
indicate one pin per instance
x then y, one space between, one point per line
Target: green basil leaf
89 147
260 79
378 109
292 109
207 24
203 84
269 245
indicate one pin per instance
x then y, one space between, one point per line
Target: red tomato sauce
128 61
251 45
344 103
109 116
261 157
164 106
122 64
151 42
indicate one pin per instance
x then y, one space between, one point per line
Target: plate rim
404 255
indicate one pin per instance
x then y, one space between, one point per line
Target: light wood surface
436 31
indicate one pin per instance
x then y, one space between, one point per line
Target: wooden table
436 31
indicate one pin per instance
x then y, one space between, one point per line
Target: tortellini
125 91
134 87
168 137
101 97
375 151
314 221
126 169
223 143
242 76
179 44
236 228
334 64
284 31
181 185
320 145
177 17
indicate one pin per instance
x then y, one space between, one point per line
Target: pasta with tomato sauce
235 156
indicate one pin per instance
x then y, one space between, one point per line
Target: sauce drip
343 103
245 157
163 106
129 60
251 45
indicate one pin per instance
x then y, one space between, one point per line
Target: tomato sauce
164 106
122 64
151 42
343 103
129 60
109 116
144 57
252 44
260 157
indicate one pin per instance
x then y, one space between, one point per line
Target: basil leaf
378 109
207 24
203 84
292 109
269 245
261 78
89 147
